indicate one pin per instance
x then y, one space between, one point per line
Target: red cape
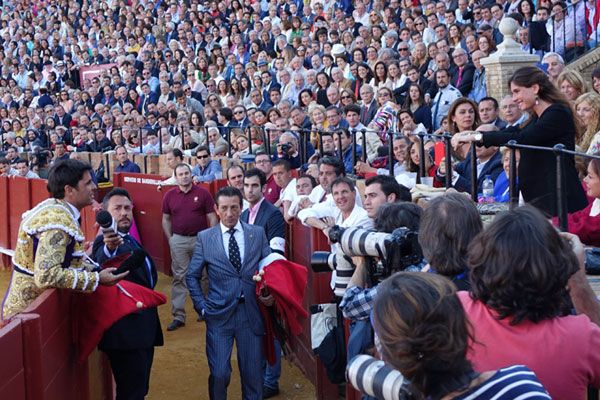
286 282
95 312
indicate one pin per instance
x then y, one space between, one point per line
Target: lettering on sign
143 181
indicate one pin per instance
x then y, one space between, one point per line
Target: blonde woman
571 84
588 109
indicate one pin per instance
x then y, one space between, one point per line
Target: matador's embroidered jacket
49 254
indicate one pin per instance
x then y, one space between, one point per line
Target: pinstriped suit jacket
226 284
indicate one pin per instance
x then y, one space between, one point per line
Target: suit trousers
182 248
131 369
219 345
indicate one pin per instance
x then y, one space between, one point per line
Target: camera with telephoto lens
396 251
285 148
375 378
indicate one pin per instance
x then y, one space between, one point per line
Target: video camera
396 251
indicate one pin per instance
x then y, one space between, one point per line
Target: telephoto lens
375 378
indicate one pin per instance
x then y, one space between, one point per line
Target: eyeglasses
238 112
403 49
346 97
203 156
419 23
263 162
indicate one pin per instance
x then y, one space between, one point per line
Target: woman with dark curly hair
421 330
525 278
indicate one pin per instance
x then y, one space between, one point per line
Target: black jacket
138 330
271 219
537 169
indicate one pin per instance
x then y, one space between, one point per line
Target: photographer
287 149
358 299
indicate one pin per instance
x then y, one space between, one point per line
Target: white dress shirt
239 238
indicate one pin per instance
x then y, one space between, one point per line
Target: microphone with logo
106 222
128 261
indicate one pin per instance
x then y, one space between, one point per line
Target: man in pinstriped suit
230 252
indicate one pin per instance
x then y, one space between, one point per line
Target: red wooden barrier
39 362
303 242
12 367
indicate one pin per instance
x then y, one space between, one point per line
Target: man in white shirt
330 168
344 211
444 98
23 169
283 178
511 113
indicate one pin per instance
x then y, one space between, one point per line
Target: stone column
506 60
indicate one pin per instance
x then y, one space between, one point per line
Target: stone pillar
506 60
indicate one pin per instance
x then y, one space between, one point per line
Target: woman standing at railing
553 122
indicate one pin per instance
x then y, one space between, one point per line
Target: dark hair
529 76
65 173
183 165
352 108
520 266
449 224
202 148
340 169
464 100
396 215
284 163
256 172
118 191
4 160
312 179
229 191
493 100
389 185
423 330
342 179
176 153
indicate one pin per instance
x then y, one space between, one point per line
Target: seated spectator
206 170
22 167
5 168
152 147
489 164
343 212
501 185
423 332
586 223
525 279
348 150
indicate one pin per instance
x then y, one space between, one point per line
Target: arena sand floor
180 369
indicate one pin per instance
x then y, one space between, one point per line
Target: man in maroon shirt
187 210
263 162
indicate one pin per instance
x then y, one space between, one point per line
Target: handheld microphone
106 222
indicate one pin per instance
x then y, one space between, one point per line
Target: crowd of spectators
317 86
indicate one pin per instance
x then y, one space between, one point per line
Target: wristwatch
478 137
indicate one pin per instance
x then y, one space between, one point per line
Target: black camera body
286 147
396 251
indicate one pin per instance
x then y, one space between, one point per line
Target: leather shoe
176 324
269 392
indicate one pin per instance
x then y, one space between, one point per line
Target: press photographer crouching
422 331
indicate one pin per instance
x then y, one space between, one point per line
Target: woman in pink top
525 280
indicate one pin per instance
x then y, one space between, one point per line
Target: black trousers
131 369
